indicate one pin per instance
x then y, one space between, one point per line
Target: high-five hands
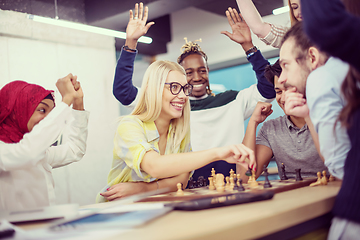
240 30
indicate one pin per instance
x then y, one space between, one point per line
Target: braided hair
193 48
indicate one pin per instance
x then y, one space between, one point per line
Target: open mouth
178 106
197 86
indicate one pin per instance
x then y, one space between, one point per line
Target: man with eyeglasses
215 120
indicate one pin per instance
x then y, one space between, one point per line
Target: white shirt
25 167
325 101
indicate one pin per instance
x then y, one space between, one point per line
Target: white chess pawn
211 184
179 192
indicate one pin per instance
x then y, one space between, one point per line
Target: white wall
38 53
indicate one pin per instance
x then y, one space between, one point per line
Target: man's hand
137 26
295 104
261 112
240 30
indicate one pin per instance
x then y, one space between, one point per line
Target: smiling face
41 111
279 89
296 9
197 74
173 105
294 70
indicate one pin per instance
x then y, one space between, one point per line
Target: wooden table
244 221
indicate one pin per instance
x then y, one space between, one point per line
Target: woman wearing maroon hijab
27 151
18 101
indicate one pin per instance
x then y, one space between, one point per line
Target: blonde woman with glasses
152 145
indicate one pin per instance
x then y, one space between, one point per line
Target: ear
314 56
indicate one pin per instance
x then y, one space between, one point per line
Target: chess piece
298 174
248 172
232 173
213 172
324 179
232 184
267 183
201 181
211 184
283 173
253 183
219 184
227 183
194 183
318 181
240 187
179 192
191 184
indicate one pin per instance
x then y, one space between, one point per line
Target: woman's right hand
239 154
137 26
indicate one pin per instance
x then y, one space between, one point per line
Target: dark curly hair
190 48
271 71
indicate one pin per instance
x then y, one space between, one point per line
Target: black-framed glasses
176 87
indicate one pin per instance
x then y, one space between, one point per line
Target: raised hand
66 88
137 25
261 112
240 30
78 103
295 103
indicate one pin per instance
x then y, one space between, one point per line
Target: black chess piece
248 172
298 175
190 183
267 183
283 173
201 181
240 187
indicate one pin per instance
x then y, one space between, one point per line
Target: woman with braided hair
216 120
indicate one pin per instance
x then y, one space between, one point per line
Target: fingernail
107 189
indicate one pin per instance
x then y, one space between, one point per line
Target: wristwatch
129 49
251 51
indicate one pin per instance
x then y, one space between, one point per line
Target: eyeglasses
176 87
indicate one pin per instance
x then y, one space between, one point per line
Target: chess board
204 192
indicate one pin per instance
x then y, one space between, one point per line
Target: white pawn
179 192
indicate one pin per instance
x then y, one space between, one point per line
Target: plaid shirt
275 36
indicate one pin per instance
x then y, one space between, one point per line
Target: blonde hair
149 105
293 19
